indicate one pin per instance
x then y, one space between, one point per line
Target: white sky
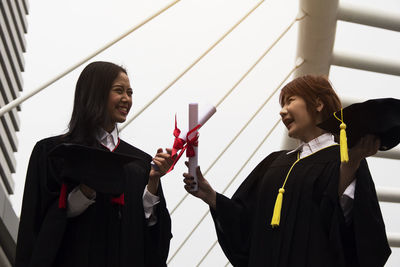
61 33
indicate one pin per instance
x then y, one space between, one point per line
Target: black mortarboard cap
99 169
380 117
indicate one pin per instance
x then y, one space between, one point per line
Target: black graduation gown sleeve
312 229
362 241
42 223
158 236
29 226
369 229
233 217
106 234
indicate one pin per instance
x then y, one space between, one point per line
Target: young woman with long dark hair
69 223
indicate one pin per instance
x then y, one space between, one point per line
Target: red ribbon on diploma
178 142
182 145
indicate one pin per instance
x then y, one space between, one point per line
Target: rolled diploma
201 120
193 121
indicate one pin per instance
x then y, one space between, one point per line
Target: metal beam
388 194
390 154
394 239
365 62
316 36
368 16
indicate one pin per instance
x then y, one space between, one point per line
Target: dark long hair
90 102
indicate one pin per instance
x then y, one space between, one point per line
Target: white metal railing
394 239
365 62
388 194
368 16
390 154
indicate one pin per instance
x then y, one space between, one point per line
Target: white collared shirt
319 143
314 145
109 140
78 202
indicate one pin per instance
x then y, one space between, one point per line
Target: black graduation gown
312 229
106 234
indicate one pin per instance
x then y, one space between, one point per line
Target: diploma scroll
190 143
193 122
202 119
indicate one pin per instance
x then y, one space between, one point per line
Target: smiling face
298 120
119 101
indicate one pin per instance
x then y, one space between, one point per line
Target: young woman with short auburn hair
302 207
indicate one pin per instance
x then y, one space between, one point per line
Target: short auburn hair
311 88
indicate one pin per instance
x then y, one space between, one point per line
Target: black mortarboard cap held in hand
99 169
380 117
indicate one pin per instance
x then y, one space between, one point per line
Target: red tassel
118 200
62 201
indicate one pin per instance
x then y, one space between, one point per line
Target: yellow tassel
276 217
344 156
